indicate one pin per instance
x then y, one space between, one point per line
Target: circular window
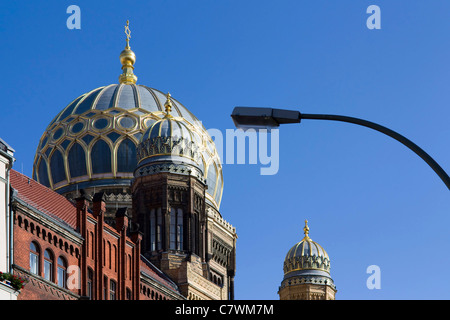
77 127
101 123
127 122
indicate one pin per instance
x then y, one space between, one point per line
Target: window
34 258
43 173
77 161
90 282
126 155
48 265
180 229
152 230
57 167
112 290
158 229
176 229
105 287
101 157
128 294
211 178
172 229
62 272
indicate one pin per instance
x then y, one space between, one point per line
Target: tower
184 235
307 272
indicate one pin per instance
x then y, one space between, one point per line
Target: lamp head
263 118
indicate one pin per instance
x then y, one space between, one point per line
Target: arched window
48 265
57 167
126 156
77 161
101 157
62 272
34 258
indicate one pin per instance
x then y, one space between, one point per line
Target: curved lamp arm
251 117
411 145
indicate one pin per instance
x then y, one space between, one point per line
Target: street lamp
257 118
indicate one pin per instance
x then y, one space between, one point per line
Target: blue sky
368 199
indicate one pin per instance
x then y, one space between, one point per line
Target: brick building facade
67 251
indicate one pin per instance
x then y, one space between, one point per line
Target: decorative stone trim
306 262
168 145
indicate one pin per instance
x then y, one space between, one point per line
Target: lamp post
249 117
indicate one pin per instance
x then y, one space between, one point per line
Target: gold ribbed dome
306 255
92 142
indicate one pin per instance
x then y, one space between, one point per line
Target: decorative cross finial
127 58
128 33
168 103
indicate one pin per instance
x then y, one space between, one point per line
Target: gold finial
127 58
168 103
306 230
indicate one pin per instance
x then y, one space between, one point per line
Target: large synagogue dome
92 143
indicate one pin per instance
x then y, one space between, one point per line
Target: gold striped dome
306 255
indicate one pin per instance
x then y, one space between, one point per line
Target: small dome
307 257
306 268
171 140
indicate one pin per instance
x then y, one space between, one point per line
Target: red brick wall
26 230
107 251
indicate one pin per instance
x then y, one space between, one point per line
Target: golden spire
306 231
127 58
168 105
